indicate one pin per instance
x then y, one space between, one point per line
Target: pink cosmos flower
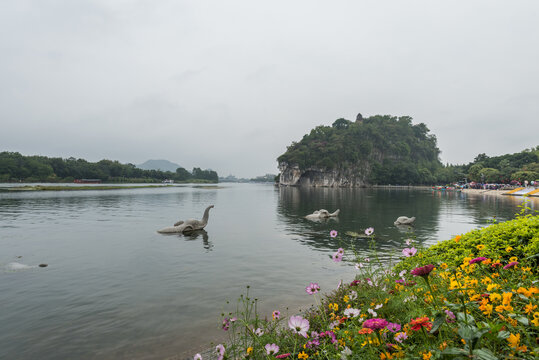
337 257
358 266
510 265
298 325
369 231
333 233
409 251
276 314
375 323
220 350
423 270
283 356
409 242
351 312
197 357
393 327
271 349
477 259
259 332
312 288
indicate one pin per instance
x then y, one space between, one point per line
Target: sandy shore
499 193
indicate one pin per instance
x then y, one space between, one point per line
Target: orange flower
365 331
420 322
457 238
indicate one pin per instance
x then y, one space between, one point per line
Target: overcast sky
227 85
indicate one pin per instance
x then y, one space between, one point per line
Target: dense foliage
519 167
16 167
390 149
480 301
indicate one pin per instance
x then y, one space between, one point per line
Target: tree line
503 169
17 167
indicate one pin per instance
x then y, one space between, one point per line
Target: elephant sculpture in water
404 220
322 214
188 226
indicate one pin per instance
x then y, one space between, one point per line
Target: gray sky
227 85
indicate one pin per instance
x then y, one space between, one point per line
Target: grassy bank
82 187
472 297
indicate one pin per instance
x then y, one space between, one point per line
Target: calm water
115 288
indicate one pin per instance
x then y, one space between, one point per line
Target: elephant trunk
206 214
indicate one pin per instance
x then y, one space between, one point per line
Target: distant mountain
163 165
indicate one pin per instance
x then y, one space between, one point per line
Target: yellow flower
529 308
480 247
507 298
443 266
427 356
486 309
508 249
486 280
513 340
491 287
535 320
302 355
249 350
443 345
495 297
345 298
513 258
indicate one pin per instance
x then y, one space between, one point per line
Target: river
116 289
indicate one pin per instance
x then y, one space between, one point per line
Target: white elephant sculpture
404 220
322 214
189 225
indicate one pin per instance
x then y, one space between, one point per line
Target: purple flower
450 317
400 337
298 325
220 350
271 349
312 344
337 257
312 288
369 231
375 323
333 233
276 314
510 265
226 324
409 251
393 327
477 259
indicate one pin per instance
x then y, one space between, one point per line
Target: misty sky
227 85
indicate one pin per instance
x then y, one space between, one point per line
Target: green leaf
454 351
484 354
438 321
523 320
503 334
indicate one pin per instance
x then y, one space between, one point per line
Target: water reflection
193 236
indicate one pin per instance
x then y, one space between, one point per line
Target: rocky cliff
292 175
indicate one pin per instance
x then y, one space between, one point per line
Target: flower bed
471 297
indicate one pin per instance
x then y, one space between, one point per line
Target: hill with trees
380 149
15 167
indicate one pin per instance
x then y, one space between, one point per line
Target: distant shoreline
498 193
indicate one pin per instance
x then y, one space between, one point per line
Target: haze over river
115 289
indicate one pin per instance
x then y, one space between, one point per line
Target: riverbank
473 296
499 193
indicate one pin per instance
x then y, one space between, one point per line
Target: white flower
372 312
409 242
378 306
345 353
259 332
334 324
353 295
402 273
351 312
358 266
